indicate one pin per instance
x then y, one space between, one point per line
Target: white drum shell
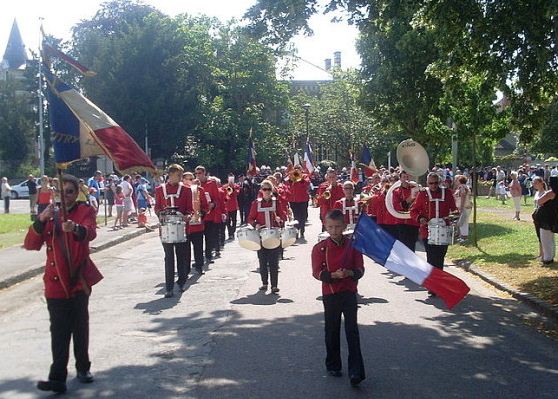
323 236
271 238
439 233
173 232
288 236
249 239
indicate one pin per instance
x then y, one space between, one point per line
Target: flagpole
41 101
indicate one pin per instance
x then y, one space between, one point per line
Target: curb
542 307
39 269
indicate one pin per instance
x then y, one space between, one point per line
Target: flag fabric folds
252 167
374 242
80 129
50 51
296 159
368 162
308 158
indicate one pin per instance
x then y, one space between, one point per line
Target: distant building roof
15 55
309 87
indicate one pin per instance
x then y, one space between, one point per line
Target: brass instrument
230 190
413 159
327 194
296 175
196 216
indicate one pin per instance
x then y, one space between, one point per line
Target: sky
60 15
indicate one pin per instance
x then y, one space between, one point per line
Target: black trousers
435 254
269 265
391 229
182 251
69 318
244 211
196 241
221 235
231 223
408 235
7 204
300 213
342 303
211 234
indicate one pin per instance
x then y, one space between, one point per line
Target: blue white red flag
374 242
252 167
308 158
296 159
50 51
368 162
80 129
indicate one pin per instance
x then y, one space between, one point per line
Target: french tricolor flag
380 246
80 129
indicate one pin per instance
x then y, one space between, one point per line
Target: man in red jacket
68 277
173 194
334 192
232 189
195 227
403 198
299 198
339 267
212 218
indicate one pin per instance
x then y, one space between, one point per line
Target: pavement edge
34 271
542 307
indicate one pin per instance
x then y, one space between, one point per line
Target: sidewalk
17 264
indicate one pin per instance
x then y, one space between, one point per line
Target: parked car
21 190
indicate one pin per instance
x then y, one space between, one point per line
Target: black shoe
263 287
54 386
182 287
199 270
217 254
209 260
355 380
85 377
274 290
431 294
169 294
335 373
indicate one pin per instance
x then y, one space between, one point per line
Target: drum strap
351 210
267 211
171 196
436 200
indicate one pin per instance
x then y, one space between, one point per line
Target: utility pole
41 102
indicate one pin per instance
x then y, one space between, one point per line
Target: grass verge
13 228
507 250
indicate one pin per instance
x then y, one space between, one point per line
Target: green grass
13 228
507 250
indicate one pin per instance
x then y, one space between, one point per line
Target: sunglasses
69 192
187 178
433 182
265 189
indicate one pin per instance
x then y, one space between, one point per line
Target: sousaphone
413 159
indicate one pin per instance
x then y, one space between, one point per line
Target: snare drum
271 238
439 233
248 238
323 236
173 228
288 236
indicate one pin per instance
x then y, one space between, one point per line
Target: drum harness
171 196
267 210
351 210
436 201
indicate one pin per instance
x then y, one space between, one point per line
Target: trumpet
327 194
296 175
230 190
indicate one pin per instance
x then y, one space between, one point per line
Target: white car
21 190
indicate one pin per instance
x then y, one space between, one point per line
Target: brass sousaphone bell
413 159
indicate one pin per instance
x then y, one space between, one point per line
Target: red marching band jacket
382 214
400 196
199 208
212 196
299 189
424 207
181 198
261 207
349 208
61 280
232 198
327 204
328 256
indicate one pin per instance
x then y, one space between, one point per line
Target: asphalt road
224 339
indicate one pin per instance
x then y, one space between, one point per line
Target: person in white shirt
554 172
128 204
6 194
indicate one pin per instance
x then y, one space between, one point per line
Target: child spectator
119 203
142 218
501 192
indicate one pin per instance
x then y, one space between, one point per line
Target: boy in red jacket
339 266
